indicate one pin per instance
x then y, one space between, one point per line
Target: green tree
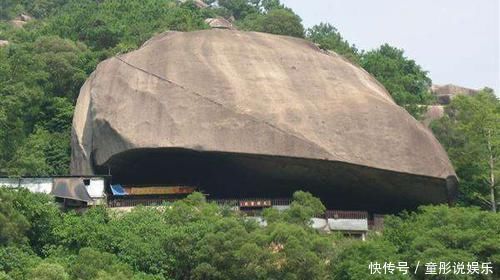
405 80
281 21
238 8
4 276
441 233
303 208
268 5
48 271
193 239
355 257
140 239
328 37
26 216
65 62
42 214
104 25
16 261
14 224
41 81
470 131
6 9
36 8
91 264
77 231
42 154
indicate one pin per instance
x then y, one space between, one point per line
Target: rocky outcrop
446 93
253 114
434 112
20 20
219 22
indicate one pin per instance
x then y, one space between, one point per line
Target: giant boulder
245 114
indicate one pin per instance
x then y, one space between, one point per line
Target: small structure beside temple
70 191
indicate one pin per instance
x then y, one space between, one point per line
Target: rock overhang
253 95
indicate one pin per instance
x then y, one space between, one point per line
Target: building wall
35 185
95 189
348 224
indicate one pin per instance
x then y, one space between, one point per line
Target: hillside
49 48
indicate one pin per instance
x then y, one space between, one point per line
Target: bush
193 239
48 271
440 233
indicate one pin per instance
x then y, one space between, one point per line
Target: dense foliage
408 84
470 131
193 239
329 38
9 9
279 21
48 60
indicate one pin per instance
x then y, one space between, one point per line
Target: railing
236 202
337 214
329 214
225 202
118 202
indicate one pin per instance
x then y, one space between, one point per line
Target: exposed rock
199 3
20 20
17 23
254 114
3 43
434 112
24 17
447 92
219 23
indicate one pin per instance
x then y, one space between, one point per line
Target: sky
457 41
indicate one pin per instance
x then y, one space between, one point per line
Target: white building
71 191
